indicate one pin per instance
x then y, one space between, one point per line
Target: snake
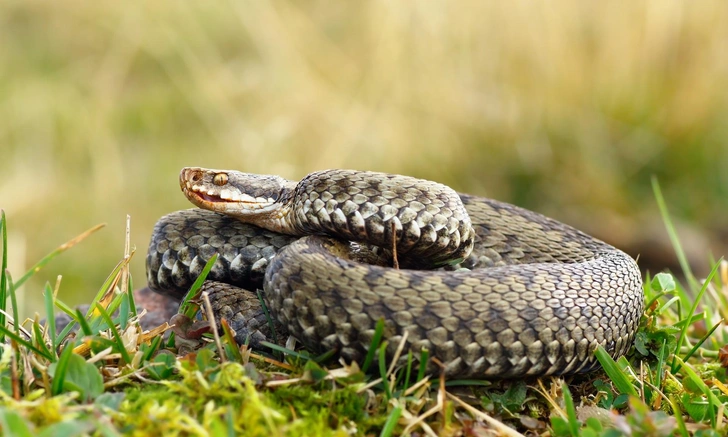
476 287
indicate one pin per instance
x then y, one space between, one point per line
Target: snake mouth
204 200
214 199
239 206
211 199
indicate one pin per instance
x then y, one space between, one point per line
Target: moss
338 407
228 398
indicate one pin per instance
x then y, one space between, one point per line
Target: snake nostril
196 176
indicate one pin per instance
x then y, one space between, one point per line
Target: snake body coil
537 297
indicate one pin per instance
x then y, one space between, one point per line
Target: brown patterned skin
538 299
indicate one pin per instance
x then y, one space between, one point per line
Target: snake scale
489 289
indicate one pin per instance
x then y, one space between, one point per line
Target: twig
271 361
395 261
417 385
213 325
398 353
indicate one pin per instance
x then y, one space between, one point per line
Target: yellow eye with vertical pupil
220 179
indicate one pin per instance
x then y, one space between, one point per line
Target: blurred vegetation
568 109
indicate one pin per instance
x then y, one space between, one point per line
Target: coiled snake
516 293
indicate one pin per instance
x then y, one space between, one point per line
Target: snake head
247 196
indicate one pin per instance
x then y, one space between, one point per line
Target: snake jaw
249 197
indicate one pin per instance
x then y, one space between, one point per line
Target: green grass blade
325 356
376 339
679 309
38 335
268 317
674 300
284 350
570 411
672 233
398 376
424 356
20 340
124 311
696 301
50 314
689 321
185 306
153 347
702 340
408 372
698 381
109 282
383 370
64 307
615 373
678 418
468 383
391 423
130 294
711 412
661 363
115 304
3 269
231 346
655 298
67 330
114 332
59 376
13 301
99 343
83 323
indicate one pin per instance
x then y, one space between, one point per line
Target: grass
567 109
114 379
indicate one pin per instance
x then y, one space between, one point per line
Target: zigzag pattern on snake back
535 296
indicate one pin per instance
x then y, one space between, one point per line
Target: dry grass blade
550 397
498 426
213 325
62 248
439 407
127 256
398 353
395 261
277 363
417 386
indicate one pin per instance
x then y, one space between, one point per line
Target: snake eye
220 179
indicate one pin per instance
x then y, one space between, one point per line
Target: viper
489 289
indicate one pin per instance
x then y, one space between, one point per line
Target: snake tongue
209 198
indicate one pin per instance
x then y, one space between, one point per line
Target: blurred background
568 109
